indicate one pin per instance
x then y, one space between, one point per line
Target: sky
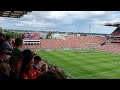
63 21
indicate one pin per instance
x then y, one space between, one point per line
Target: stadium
88 56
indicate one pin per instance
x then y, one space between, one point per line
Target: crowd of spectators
110 47
16 63
69 42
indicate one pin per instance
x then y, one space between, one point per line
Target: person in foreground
52 74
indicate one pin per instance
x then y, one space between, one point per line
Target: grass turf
84 64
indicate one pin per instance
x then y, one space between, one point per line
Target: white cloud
99 13
57 14
62 20
34 24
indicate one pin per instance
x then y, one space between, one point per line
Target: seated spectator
27 71
7 45
43 68
37 63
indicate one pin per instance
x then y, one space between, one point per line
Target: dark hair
26 60
2 51
2 35
7 37
52 74
43 68
18 42
37 58
27 52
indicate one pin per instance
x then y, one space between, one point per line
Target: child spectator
43 68
37 63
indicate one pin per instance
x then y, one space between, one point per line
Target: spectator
7 45
18 46
4 70
52 74
27 71
43 68
2 38
34 53
27 52
37 63
15 64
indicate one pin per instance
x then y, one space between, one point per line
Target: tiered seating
115 40
110 47
116 32
72 42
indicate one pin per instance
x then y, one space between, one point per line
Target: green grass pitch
84 64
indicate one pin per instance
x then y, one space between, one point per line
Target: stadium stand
116 32
20 65
72 42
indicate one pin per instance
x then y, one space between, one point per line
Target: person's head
27 52
43 68
4 68
52 74
7 58
8 38
18 42
34 53
1 35
37 59
28 61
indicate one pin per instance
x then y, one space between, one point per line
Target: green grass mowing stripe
74 72
53 57
99 66
110 73
57 55
100 74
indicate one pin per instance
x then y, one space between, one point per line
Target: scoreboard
31 36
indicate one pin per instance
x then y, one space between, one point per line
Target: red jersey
33 74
